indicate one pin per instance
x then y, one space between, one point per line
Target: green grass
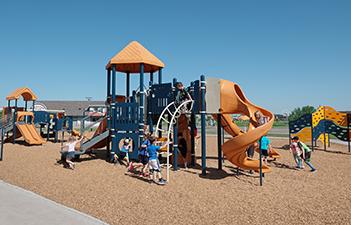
242 123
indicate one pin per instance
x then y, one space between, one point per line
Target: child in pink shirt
297 152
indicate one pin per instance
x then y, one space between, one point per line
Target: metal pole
261 175
222 130
108 113
203 125
160 76
128 86
192 128
219 141
151 79
14 122
192 133
141 104
113 114
8 111
312 133
324 127
175 146
289 133
348 131
2 144
108 83
149 113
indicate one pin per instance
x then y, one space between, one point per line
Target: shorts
264 152
307 157
70 155
122 155
154 165
143 159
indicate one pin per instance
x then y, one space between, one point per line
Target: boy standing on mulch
154 164
265 146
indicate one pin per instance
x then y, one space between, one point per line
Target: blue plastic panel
160 96
126 116
302 122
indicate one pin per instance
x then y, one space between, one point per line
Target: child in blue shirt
265 147
143 157
154 164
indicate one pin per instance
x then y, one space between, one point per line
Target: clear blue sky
284 54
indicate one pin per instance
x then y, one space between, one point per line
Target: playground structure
20 121
320 125
154 109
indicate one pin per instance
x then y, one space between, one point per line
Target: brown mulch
222 197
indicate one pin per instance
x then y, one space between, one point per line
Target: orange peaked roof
130 58
26 93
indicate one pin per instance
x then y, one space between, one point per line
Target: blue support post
192 128
160 76
219 140
2 144
175 147
108 83
192 134
128 86
108 112
151 79
8 110
203 125
348 131
312 133
149 113
261 174
113 116
14 122
141 104
175 133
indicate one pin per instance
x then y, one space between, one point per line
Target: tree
298 112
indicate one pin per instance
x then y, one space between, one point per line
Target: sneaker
161 181
313 170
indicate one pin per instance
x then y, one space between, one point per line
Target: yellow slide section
30 134
233 101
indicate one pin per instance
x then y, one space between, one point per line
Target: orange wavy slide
30 134
233 101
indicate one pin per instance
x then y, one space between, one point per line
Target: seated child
123 153
297 152
154 164
143 157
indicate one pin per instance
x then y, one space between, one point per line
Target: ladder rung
164 119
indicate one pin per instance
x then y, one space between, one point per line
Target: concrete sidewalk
19 206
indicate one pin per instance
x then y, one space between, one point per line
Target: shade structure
26 93
129 59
